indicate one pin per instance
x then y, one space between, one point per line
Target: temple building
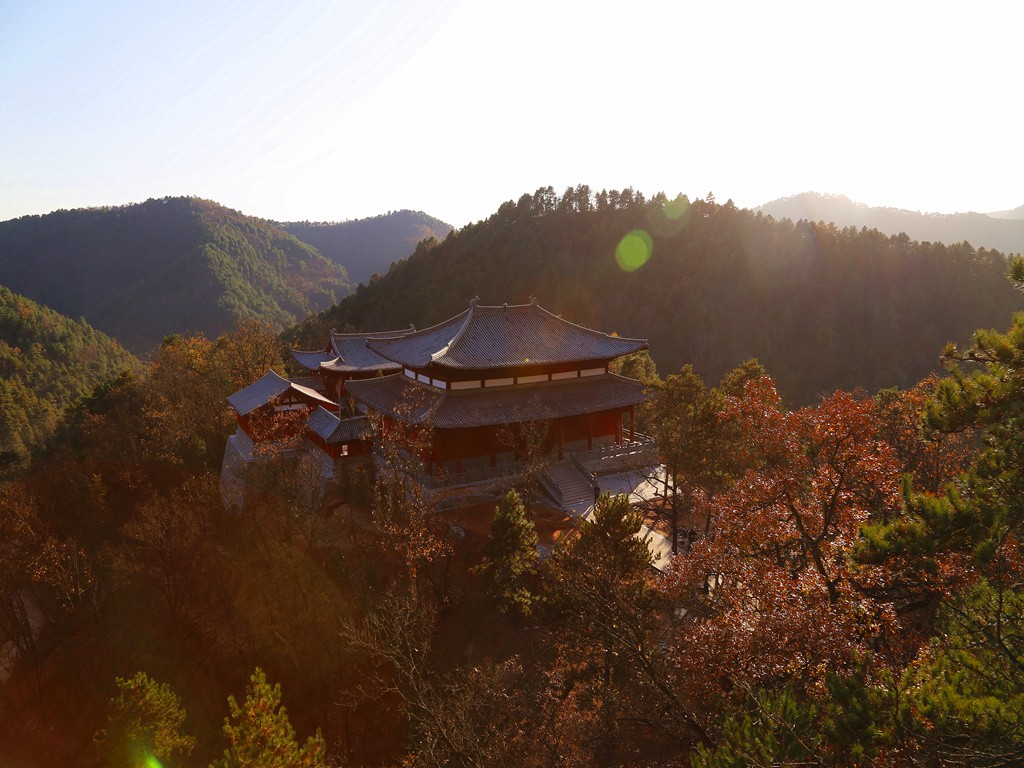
487 392
479 381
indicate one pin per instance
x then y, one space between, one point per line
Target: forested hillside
47 362
1002 230
175 265
822 307
407 631
371 245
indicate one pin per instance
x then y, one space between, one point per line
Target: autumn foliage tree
771 594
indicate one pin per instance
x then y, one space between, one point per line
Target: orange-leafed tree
771 594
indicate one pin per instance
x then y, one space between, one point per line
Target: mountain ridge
1001 230
170 265
371 245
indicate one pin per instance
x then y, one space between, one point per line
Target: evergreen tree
510 556
966 690
598 589
260 735
144 721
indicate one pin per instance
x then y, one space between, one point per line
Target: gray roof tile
333 430
268 387
502 337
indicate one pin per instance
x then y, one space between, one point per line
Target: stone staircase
573 486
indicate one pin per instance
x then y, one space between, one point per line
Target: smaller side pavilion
270 408
339 439
346 357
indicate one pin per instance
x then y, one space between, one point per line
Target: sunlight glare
634 250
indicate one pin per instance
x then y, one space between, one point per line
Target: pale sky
334 111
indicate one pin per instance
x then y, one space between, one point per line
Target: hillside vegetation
371 245
1002 230
47 362
822 307
176 265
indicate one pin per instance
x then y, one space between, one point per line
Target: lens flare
676 209
634 250
151 762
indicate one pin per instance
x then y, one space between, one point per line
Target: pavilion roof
347 352
333 430
502 337
415 403
267 388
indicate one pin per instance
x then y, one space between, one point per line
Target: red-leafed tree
771 594
932 457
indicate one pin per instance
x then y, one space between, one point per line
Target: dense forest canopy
175 265
368 246
846 589
47 363
821 307
376 629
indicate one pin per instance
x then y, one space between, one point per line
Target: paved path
638 486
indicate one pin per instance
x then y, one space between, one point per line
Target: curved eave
336 366
268 387
311 361
413 403
333 430
487 338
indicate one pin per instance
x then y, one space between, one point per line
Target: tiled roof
502 337
333 430
312 382
265 389
352 354
311 360
416 403
347 352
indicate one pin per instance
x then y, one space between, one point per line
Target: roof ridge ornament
474 301
533 300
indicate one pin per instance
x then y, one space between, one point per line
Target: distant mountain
821 307
1003 231
1014 213
175 265
366 246
47 362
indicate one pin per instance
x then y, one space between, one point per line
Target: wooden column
590 433
561 440
632 423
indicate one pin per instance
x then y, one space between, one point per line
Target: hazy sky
333 111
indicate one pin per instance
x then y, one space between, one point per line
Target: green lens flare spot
634 250
151 762
675 209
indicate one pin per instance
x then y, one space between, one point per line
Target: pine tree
144 721
510 556
599 592
260 735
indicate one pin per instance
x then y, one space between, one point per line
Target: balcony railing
642 449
